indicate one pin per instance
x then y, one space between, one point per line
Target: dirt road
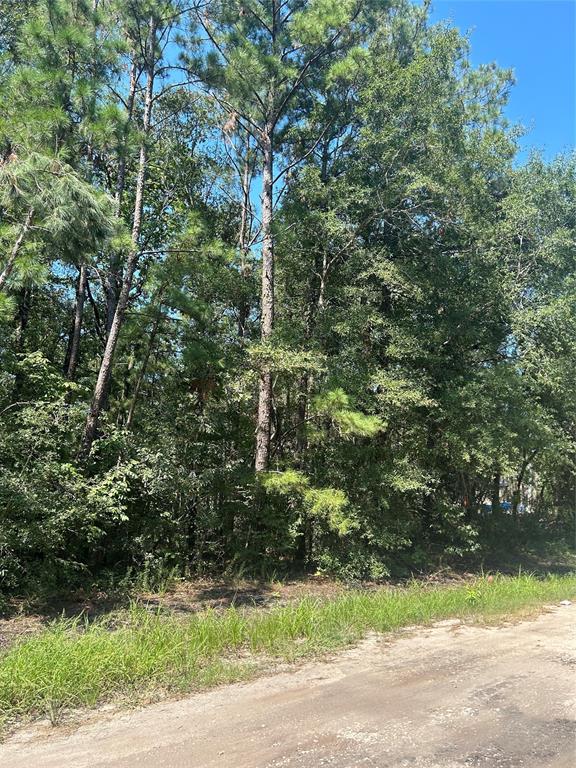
448 697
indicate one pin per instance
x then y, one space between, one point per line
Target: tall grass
142 654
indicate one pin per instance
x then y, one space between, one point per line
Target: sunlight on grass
139 653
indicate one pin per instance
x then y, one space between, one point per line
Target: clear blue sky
537 38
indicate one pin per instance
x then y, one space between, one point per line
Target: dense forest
276 293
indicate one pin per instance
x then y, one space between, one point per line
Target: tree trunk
114 281
137 388
243 237
73 352
267 304
517 493
313 310
496 493
24 305
515 501
104 375
7 271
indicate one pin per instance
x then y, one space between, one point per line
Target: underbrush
137 654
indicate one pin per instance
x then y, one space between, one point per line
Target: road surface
448 697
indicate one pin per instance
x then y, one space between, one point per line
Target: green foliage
335 405
285 483
286 361
329 504
423 351
326 504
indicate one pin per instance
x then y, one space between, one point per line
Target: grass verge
138 654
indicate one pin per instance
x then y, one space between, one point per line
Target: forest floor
23 617
453 695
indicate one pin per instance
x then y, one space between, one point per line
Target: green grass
140 655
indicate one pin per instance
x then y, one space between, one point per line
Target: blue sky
537 38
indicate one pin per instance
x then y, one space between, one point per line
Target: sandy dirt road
446 697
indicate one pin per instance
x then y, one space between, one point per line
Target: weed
143 653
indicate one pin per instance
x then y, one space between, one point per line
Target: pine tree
263 55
